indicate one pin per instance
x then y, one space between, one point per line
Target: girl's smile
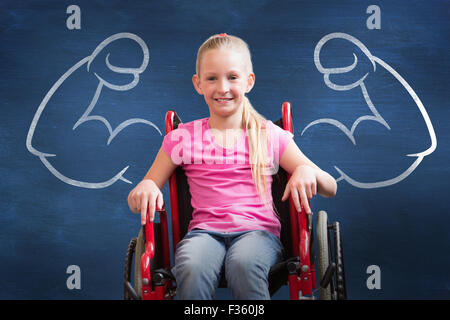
223 100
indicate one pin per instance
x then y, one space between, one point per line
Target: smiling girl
234 228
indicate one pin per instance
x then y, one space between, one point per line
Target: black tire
340 272
323 257
140 249
127 269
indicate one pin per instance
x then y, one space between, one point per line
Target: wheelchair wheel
339 257
324 252
140 249
127 269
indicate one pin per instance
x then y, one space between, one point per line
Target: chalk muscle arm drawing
87 115
374 116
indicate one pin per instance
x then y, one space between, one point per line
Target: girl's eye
233 77
211 78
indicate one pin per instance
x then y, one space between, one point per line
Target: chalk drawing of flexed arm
88 115
374 114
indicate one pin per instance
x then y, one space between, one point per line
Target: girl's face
223 81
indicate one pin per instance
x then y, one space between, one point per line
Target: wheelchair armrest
150 289
149 235
149 252
302 236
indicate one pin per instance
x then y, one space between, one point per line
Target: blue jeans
245 257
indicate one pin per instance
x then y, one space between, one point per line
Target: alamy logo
74 280
374 280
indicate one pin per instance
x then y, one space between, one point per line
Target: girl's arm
306 180
147 194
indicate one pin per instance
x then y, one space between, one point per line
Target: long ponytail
255 125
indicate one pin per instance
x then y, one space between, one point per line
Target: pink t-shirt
223 195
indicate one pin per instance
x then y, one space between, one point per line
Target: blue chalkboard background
48 224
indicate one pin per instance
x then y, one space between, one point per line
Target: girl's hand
144 196
302 186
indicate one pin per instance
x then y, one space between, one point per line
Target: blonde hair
252 121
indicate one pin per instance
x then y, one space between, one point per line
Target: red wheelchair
153 279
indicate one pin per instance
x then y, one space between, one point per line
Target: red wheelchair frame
298 271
